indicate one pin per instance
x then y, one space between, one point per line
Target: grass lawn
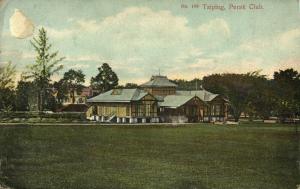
196 156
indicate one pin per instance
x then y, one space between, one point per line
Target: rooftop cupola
159 85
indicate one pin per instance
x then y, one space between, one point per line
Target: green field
195 156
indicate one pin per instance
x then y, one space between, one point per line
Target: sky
140 38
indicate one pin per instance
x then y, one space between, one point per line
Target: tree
24 92
7 99
261 99
105 80
287 83
61 92
73 82
46 64
237 87
7 75
7 95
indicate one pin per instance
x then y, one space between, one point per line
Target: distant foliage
128 86
195 84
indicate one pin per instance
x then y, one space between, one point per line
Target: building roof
202 94
159 81
119 95
174 101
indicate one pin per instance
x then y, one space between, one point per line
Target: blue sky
137 38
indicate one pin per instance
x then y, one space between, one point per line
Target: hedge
41 115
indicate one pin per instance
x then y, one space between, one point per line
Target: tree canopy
105 80
7 75
73 82
7 96
256 95
287 90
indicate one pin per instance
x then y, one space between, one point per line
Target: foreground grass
200 156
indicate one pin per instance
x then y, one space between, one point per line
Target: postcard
149 94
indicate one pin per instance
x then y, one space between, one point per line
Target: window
127 110
218 109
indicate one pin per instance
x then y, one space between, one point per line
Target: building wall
109 109
146 107
161 91
217 110
192 111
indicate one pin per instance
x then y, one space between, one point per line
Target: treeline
182 84
257 96
253 94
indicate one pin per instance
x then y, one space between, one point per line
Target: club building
157 100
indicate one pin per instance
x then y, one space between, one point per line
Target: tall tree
73 82
61 92
261 99
46 64
105 80
237 87
288 93
24 92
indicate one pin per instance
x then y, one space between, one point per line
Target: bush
43 116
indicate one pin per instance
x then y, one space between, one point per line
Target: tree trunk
236 116
73 96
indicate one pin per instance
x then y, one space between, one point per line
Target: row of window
148 109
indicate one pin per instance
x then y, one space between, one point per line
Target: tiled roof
159 81
119 95
202 94
174 101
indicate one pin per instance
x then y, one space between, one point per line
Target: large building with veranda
158 100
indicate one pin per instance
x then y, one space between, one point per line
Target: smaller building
213 107
124 106
181 108
80 98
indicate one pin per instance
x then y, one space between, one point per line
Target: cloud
288 63
20 26
59 33
290 38
139 40
218 25
79 66
81 58
88 25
